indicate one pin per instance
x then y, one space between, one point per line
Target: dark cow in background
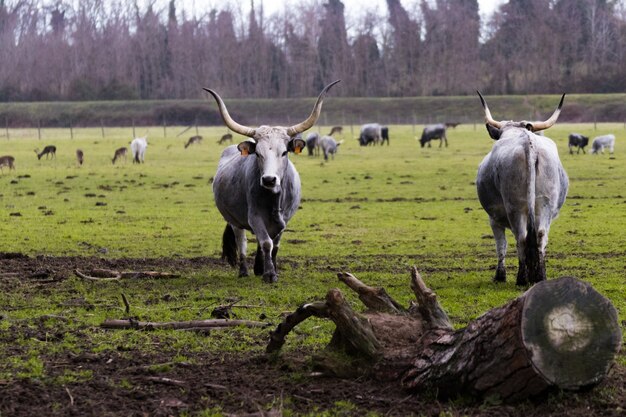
430 132
576 140
228 137
384 135
453 125
257 188
522 186
193 140
312 143
371 133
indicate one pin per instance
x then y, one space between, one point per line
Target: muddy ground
237 384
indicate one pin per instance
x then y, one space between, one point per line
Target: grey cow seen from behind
522 186
257 188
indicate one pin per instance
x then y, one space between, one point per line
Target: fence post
134 135
6 126
164 128
71 131
197 134
39 128
414 123
102 127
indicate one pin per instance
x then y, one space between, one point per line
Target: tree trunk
559 334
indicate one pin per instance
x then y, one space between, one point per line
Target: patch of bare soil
124 383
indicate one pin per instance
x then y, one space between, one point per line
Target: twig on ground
126 304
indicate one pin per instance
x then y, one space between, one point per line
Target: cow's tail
532 252
229 246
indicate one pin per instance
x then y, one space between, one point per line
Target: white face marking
271 151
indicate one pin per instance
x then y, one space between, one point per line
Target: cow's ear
296 145
246 147
494 132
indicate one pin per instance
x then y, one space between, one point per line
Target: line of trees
103 50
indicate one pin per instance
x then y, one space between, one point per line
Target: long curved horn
230 123
315 114
536 126
488 119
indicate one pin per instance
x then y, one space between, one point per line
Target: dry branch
205 324
99 274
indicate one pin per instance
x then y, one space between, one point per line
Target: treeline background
112 50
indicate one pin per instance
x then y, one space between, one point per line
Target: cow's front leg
501 247
269 271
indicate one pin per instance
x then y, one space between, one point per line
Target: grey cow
522 186
257 188
312 143
431 132
329 146
371 133
601 142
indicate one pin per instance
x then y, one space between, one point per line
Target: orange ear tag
297 150
244 152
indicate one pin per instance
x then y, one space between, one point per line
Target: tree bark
559 334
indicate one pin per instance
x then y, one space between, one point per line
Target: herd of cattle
521 183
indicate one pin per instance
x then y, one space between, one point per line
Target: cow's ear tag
297 149
296 145
246 148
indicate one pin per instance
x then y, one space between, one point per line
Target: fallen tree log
559 334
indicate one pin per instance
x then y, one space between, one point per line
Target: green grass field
373 211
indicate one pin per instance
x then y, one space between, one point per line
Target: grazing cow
453 125
431 132
257 188
522 185
371 133
138 148
7 161
119 153
601 142
384 134
48 150
312 143
336 129
225 138
576 140
80 156
192 140
329 146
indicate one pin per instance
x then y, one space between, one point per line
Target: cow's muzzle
270 182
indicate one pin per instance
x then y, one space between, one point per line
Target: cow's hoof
243 274
500 275
270 278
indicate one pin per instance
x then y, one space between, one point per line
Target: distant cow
601 142
80 156
576 140
7 161
336 129
384 134
431 132
453 125
138 148
371 133
522 186
257 188
225 138
312 143
329 146
193 140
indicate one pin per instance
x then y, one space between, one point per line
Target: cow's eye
285 153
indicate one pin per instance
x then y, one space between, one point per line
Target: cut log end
570 331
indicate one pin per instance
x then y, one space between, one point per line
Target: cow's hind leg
242 248
501 247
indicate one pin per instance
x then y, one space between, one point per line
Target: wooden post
71 131
134 135
414 123
6 126
197 125
164 128
102 127
39 128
